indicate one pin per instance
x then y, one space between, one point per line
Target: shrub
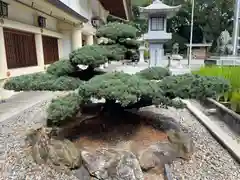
230 73
66 83
61 68
90 55
154 73
116 30
42 82
30 82
62 109
116 51
124 89
190 86
129 43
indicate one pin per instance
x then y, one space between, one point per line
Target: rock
149 176
61 154
182 142
159 121
156 156
82 173
111 164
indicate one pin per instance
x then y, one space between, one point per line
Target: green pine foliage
61 68
190 86
116 51
122 88
154 73
63 109
116 30
90 55
66 83
129 43
42 82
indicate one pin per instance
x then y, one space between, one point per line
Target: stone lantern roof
158 7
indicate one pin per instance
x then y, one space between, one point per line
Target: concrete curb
229 111
232 146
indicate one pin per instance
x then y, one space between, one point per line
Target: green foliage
146 54
116 30
66 83
193 86
230 73
154 73
116 51
61 68
129 43
90 55
62 109
42 82
124 89
235 101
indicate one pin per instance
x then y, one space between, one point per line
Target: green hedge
61 68
154 73
62 109
42 82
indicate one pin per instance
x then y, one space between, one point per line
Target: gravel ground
16 164
210 160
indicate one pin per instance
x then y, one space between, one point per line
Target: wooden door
20 48
50 49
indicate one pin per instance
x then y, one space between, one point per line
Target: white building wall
15 11
82 7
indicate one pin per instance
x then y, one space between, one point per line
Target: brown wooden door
50 49
20 49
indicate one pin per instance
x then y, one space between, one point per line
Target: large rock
159 121
182 143
109 164
60 154
82 174
154 157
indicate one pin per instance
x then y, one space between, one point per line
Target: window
157 24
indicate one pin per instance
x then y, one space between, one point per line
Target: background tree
210 19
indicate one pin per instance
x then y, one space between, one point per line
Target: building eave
118 8
67 9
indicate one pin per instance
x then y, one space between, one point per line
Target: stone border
223 138
231 118
224 108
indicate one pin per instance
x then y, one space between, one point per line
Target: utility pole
191 36
236 27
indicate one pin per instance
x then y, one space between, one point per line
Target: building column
39 50
60 48
76 38
3 58
90 40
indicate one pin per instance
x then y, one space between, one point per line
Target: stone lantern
141 49
157 14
